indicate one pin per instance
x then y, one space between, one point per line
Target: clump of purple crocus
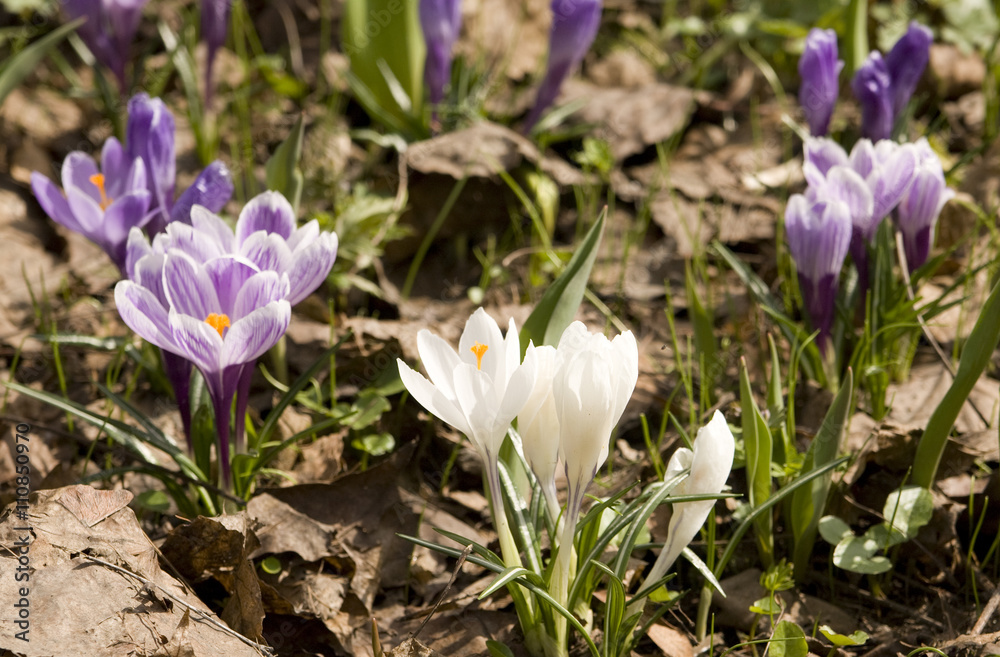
109 30
214 27
266 241
918 211
441 21
574 27
819 69
887 171
220 315
150 135
134 186
102 204
819 235
885 86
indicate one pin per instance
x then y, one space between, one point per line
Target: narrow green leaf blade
18 67
282 171
558 306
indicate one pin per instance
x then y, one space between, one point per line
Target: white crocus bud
595 380
709 464
538 424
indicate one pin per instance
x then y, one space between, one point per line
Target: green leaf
834 530
758 446
558 306
154 500
20 65
704 329
809 502
376 444
282 171
857 554
908 509
386 34
503 579
788 640
271 565
975 357
498 649
614 610
855 639
767 606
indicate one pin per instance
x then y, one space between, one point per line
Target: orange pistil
479 350
98 180
218 322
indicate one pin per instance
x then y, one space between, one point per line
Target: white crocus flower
538 424
591 387
479 391
709 465
595 380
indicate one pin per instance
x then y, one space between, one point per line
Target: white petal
440 361
482 329
432 399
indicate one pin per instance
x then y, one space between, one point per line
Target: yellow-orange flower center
479 350
98 180
218 322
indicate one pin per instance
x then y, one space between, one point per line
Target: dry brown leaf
671 641
79 607
630 120
91 506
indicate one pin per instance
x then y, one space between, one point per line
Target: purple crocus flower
441 21
266 236
819 234
150 136
214 27
886 169
109 30
819 69
918 211
872 86
906 63
221 315
102 205
574 26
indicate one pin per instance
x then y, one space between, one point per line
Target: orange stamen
98 180
218 322
479 350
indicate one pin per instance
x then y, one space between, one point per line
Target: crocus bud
595 380
149 136
906 63
709 465
819 235
214 27
818 70
538 424
872 86
109 30
441 21
574 26
918 211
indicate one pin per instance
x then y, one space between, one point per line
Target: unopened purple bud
819 69
212 189
918 211
214 27
872 87
819 234
906 63
441 22
574 27
149 136
109 29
